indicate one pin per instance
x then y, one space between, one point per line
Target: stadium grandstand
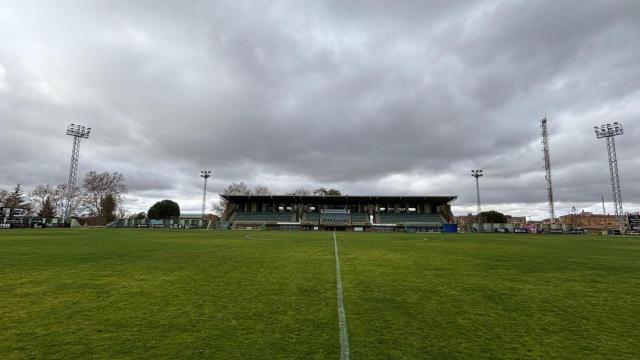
351 213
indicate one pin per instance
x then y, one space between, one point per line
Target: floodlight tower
78 132
609 132
205 174
547 167
477 174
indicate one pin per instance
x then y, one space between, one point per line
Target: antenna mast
547 167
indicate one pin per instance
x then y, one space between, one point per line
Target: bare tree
97 187
218 206
233 189
3 196
237 189
261 190
76 203
326 192
122 213
40 194
300 192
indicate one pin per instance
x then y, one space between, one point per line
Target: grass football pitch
112 294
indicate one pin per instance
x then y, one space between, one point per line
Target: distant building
466 220
589 221
517 220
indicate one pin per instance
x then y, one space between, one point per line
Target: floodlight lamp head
476 173
77 130
608 130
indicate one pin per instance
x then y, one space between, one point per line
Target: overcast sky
369 97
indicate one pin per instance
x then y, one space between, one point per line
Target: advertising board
634 222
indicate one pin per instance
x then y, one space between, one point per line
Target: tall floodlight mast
547 167
477 174
205 174
78 132
604 213
609 132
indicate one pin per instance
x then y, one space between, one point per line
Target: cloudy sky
370 97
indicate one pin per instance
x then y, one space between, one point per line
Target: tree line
98 200
243 189
100 197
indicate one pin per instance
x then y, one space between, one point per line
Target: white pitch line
342 318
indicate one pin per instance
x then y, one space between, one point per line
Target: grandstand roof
342 199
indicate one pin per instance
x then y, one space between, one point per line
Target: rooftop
341 199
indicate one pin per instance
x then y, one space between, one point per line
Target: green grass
203 294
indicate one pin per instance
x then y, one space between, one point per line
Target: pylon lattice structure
547 168
205 174
78 132
477 174
609 132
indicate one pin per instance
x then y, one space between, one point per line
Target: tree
39 195
493 217
47 210
60 197
233 189
165 209
108 208
242 189
138 216
300 192
96 187
16 199
218 206
261 190
3 196
327 192
237 189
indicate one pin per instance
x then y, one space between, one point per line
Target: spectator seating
312 218
412 218
263 217
360 218
335 218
